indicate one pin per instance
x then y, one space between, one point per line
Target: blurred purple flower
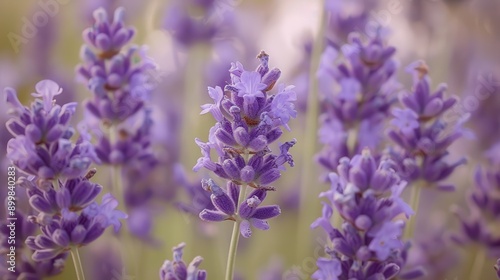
177 269
421 136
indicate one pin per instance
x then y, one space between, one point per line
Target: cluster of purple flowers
479 226
356 95
421 135
176 269
121 80
57 177
366 193
249 119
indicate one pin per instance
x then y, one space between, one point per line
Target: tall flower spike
420 133
176 268
119 81
120 78
249 118
357 94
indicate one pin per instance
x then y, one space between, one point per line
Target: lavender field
250 139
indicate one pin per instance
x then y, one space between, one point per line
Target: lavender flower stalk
357 95
366 193
423 138
58 188
249 119
119 78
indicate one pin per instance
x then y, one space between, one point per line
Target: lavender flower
225 202
42 145
177 269
249 120
478 226
72 229
120 84
366 193
422 136
119 113
356 95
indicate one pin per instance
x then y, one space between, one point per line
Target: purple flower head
41 145
485 194
73 229
366 192
364 80
120 81
250 212
356 95
108 36
478 226
44 121
420 133
177 269
249 119
75 195
120 84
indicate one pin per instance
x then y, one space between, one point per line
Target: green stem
307 196
477 266
78 264
414 203
235 237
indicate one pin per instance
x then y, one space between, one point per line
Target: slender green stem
307 196
477 266
78 264
414 203
235 237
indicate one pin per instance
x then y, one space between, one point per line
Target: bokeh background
459 40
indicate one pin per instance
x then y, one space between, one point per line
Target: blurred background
193 43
